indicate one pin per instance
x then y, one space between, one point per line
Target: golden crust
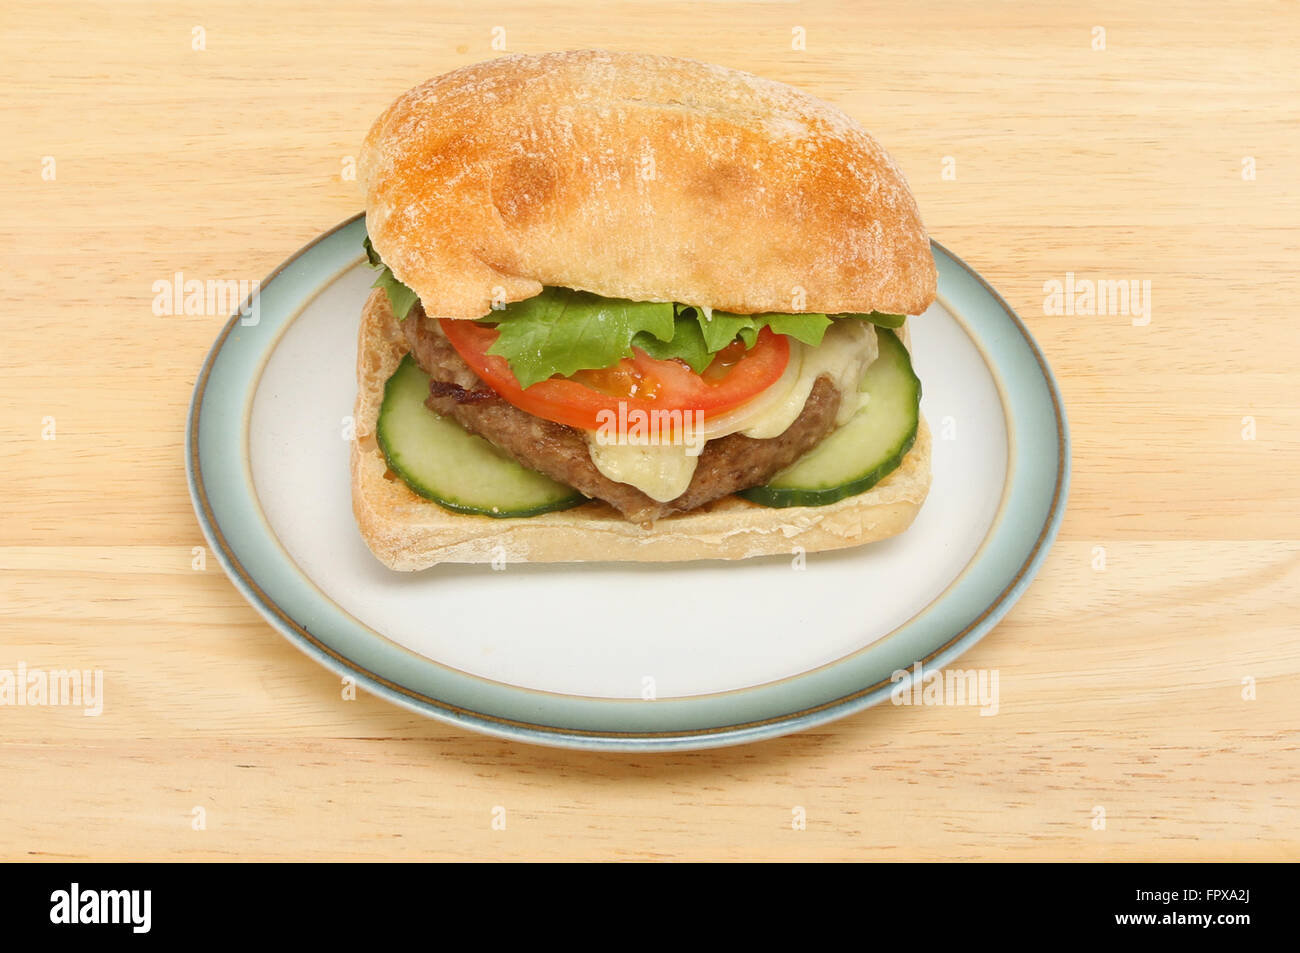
407 532
642 177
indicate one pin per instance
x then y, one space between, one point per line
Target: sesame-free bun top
642 177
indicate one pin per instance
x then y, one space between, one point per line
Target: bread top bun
642 177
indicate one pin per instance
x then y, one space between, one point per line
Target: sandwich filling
664 470
654 407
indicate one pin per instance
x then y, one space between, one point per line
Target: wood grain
1121 688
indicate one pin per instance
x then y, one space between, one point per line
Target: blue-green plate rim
644 736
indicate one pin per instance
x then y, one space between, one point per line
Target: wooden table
1160 689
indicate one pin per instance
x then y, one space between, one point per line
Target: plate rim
574 737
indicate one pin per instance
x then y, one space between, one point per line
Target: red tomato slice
640 382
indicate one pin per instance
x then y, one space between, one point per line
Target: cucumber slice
438 459
866 449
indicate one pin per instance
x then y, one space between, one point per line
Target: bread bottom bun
407 532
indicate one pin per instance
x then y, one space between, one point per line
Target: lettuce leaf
561 331
400 296
721 328
808 328
687 344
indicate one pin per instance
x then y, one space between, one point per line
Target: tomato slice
637 383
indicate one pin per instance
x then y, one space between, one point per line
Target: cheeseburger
632 307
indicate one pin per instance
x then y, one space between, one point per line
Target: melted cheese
663 471
844 354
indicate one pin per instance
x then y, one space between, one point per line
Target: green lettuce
687 343
721 328
400 297
561 331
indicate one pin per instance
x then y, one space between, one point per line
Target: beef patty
726 464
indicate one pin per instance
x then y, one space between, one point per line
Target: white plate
568 654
